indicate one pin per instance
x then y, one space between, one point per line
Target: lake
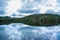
19 31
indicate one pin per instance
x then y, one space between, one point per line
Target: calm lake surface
19 31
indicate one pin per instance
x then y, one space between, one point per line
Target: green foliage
42 19
34 20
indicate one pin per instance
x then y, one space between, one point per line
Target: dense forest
34 20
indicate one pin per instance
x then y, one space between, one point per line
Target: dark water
18 31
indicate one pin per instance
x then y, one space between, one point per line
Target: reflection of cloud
20 31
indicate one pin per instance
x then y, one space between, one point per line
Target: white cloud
48 5
13 6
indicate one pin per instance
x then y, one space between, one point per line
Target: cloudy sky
27 7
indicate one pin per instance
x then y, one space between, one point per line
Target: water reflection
19 31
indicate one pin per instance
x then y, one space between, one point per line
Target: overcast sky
15 7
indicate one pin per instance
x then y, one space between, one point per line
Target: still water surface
19 31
